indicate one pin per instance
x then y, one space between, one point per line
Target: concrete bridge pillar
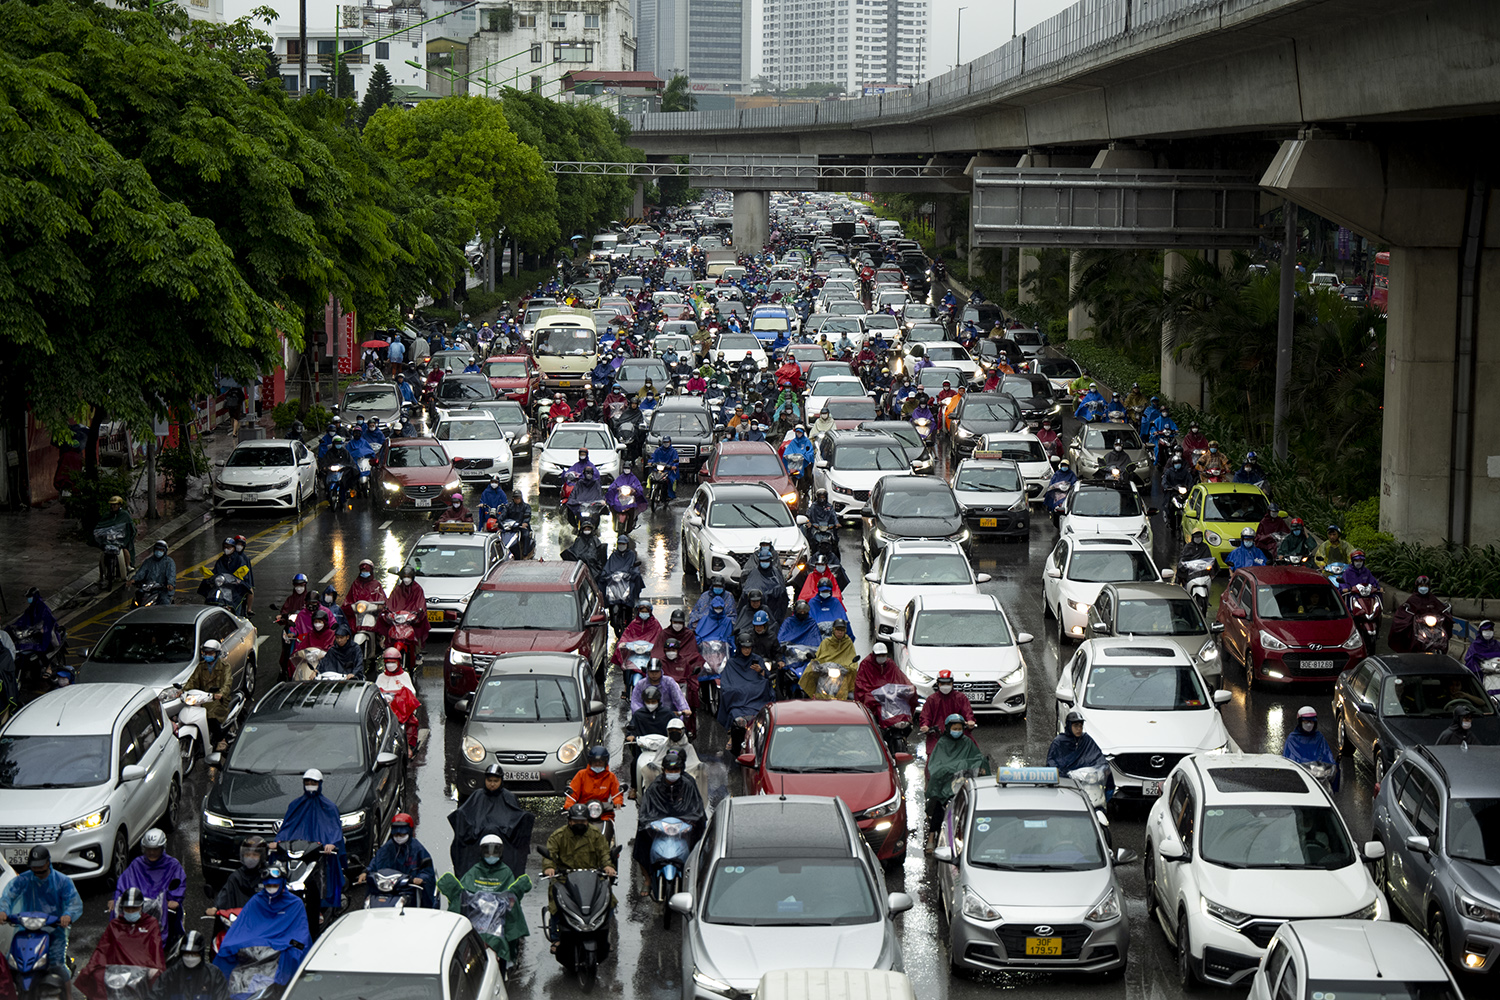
1025 264
638 201
1178 382
752 220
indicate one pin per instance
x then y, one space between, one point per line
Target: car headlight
1475 910
1355 640
1145 533
1020 504
712 985
391 484
962 536
790 499
569 751
215 820
92 821
1208 652
459 658
1078 605
1371 912
964 433
885 808
473 749
1212 537
1106 910
975 908
282 484
352 821
1233 918
452 485
919 676
1269 641
524 438
1014 677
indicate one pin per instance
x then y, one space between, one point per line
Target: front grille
1146 765
520 757
1318 663
1261 931
259 826
423 492
249 488
1013 937
474 463
978 691
862 496
29 834
482 662
686 451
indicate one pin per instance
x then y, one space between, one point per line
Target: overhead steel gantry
776 172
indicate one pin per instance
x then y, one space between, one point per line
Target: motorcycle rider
814 575
365 587
1176 475
152 874
576 846
519 510
673 796
1247 553
755 603
1135 400
456 510
1212 464
1250 471
587 548
789 375
244 881
632 501
559 412
643 626
876 671
334 430
403 852
1356 573
491 501
1484 647
1090 403
158 568
234 564
1072 748
491 874
799 445
1333 549
1419 605
744 689
37 615
949 758
44 890
344 656
1306 745
132 938
623 559
717 590
665 454
586 489
491 809
944 703
118 517
191 977
313 816
667 689
337 455
407 597
820 514
596 783
1297 546
273 918
1193 442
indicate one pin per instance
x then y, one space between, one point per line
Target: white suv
84 772
1239 844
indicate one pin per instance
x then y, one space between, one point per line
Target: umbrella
371 345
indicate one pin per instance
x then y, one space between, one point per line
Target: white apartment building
531 44
856 43
354 39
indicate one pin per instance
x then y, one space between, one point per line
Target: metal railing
728 167
1072 33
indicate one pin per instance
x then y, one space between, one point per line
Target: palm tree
678 96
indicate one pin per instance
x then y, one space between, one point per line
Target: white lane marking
385 525
329 575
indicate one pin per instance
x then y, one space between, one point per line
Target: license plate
989 522
1317 664
565 383
434 616
1151 789
18 859
423 501
1045 947
512 774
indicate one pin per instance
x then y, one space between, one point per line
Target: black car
918 452
512 420
686 420
1033 394
921 507
981 413
1398 700
342 728
985 315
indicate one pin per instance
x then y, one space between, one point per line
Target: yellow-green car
1221 511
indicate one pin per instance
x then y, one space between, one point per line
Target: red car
526 605
748 462
415 474
805 355
1287 624
831 748
514 376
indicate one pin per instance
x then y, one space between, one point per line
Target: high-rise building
708 40
854 43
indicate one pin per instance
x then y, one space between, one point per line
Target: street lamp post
1013 17
958 39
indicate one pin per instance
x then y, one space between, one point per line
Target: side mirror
132 772
393 570
219 462
695 520
682 902
1100 627
597 707
1125 856
1222 697
598 618
867 511
1052 572
1168 575
1238 612
982 578
1023 638
1375 850
899 902
214 759
1216 627
944 853
1361 705
902 759
385 758
872 577
746 760
461 706
1171 850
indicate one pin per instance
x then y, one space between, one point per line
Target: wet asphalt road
647 961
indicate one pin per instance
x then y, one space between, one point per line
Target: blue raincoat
271 921
316 818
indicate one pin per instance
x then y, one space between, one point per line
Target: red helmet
945 675
401 818
1356 554
392 655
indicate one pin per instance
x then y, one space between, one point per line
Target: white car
1097 509
450 564
971 635
560 453
725 524
1146 706
908 568
829 386
1078 569
836 327
277 475
736 345
1027 452
1237 845
476 445
436 955
85 771
679 342
1309 959
850 463
887 326
950 354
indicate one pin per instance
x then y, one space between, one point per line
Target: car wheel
1341 743
1437 933
1187 976
688 569
168 820
119 858
1378 763
248 682
1046 609
1380 873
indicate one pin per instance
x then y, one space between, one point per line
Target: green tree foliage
380 92
678 95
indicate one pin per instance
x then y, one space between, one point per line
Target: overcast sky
986 23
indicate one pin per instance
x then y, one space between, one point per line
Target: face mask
1296 531
328 598
1466 724
489 860
1176 465
945 688
408 580
652 706
319 626
229 550
161 553
272 890
1424 591
310 789
252 862
364 574
455 506
299 589
597 768
673 776
131 916
1488 633
192 961
31 600
578 831
956 733
718 591
643 615
1213 451
765 564
672 653
675 736
1308 727
238 547
210 657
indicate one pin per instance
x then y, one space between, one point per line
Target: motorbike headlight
92 821
1429 620
459 658
1106 910
1208 651
473 749
1475 910
885 808
352 821
1213 538
1355 640
392 485
215 820
975 908
1233 918
1269 641
569 751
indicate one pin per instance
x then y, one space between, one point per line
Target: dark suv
342 728
526 606
980 413
686 420
921 507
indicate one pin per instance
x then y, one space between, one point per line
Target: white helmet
212 644
154 838
312 774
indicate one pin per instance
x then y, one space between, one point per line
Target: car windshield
1262 836
838 324
1035 841
867 459
447 560
1002 412
1432 696
882 322
765 464
808 352
1018 451
1115 566
1159 616
679 422
933 378
547 610
1059 367
464 388
371 399
468 430
947 352
146 642
768 513
824 749
656 371
1106 503
928 570
790 893
1299 602
989 479
416 457
820 368
840 387
926 334
571 440
1024 388
734 345
1025 338
848 408
345 984
1382 989
1236 507
293 747
902 431
259 456
1474 830
54 761
557 341
521 698
972 628
1145 688
1103 439
505 369
505 413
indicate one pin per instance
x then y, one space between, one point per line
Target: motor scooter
192 732
669 852
787 683
401 633
658 485
1364 606
714 652
512 539
389 887
1176 499
113 565
625 515
148 594
227 591
895 715
1195 576
28 957
1428 635
584 918
33 664
617 599
363 621
335 490
636 659
1055 499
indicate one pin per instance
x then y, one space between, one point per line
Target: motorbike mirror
982 578
1216 627
176 883
385 758
746 760
1023 638
393 570
899 902
597 707
682 902
945 854
1223 697
544 853
902 759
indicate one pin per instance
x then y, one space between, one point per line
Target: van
768 322
834 984
565 343
718 261
604 244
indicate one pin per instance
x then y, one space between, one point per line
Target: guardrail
1074 32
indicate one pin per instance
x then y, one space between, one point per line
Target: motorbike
366 467
669 852
924 428
401 632
335 490
1055 499
715 652
1364 606
617 597
1092 780
1489 676
658 485
821 538
625 515
27 958
1323 773
895 715
389 887
637 658
227 591
32 664
148 594
363 621
1195 575
192 737
787 683
1176 499
1429 635
512 539
113 567
582 922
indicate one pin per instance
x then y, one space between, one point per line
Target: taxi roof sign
459 527
979 454
1026 776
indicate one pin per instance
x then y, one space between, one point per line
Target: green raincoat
491 878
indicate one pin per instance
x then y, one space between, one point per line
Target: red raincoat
872 675
122 944
411 599
649 630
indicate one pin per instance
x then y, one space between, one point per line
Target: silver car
1161 611
449 565
777 879
1093 441
372 399
1027 876
158 646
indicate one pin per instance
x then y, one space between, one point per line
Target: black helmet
598 752
494 770
578 811
651 693
679 615
755 594
744 639
801 608
1462 712
673 761
253 845
1074 716
39 858
194 942
131 899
